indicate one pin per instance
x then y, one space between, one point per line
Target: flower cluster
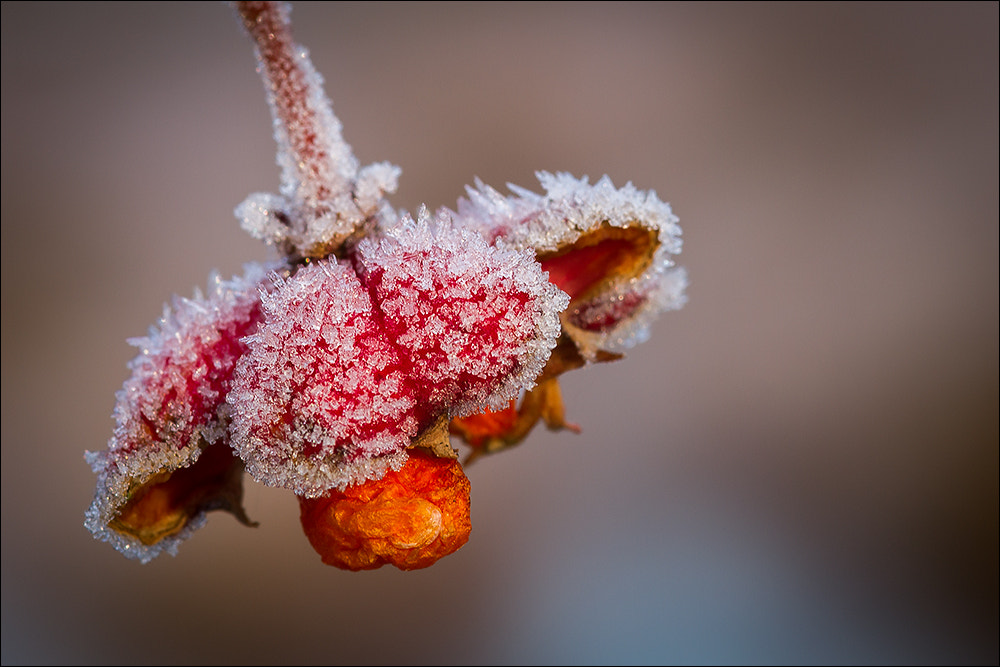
342 370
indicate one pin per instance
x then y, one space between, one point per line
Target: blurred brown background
800 465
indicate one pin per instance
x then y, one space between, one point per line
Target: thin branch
317 165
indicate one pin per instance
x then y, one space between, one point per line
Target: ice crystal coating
618 314
324 198
349 365
322 399
478 322
173 405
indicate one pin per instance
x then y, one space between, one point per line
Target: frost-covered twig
325 200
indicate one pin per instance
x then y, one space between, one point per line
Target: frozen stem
325 200
318 166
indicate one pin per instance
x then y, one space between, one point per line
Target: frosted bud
322 399
353 360
325 199
167 414
477 322
611 249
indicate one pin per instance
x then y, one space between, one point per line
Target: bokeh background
800 466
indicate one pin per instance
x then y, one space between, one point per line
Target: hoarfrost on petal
354 358
572 211
309 412
477 322
620 319
173 405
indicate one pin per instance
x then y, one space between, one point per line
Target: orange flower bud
410 518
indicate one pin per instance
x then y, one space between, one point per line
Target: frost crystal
574 218
348 367
173 405
324 199
478 322
322 399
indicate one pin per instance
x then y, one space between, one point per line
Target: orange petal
490 432
410 518
477 430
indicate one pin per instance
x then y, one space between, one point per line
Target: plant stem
317 166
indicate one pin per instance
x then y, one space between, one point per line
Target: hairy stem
317 166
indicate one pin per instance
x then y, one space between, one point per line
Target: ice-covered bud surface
173 405
323 398
610 248
476 321
354 359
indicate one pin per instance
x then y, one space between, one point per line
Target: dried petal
609 249
168 413
164 505
410 518
481 431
